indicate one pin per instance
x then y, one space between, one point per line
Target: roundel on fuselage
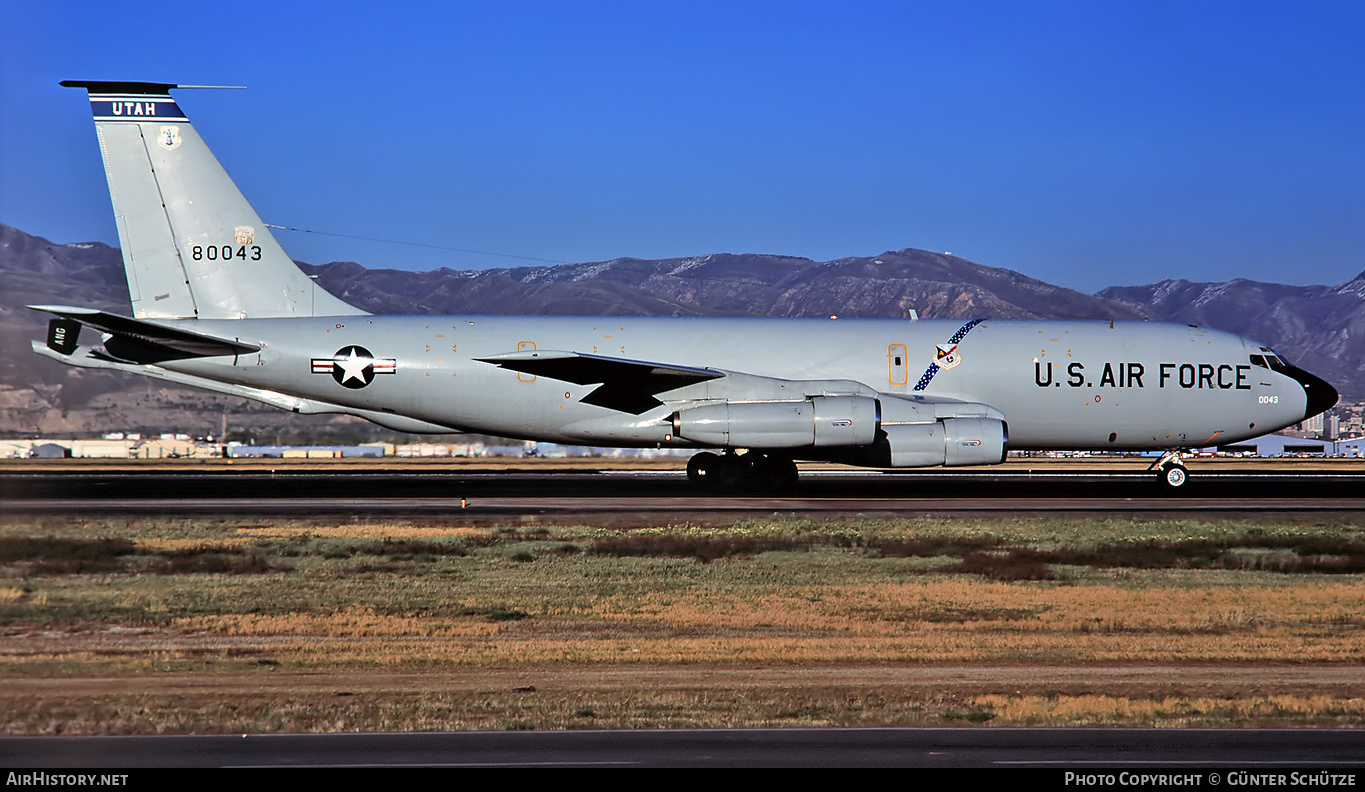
354 366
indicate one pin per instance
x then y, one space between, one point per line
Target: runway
1054 751
381 491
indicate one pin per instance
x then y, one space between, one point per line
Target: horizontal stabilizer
89 357
182 343
627 385
132 88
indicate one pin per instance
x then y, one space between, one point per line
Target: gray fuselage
1060 385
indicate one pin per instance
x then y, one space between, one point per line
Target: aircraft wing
166 342
632 386
626 385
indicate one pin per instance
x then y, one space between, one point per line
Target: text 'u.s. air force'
1190 376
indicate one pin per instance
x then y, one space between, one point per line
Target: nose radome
1321 395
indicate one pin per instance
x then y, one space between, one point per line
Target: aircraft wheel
733 472
1174 476
702 468
775 473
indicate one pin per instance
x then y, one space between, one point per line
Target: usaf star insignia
354 366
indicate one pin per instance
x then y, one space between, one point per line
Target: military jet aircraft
217 304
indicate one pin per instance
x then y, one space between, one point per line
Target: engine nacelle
952 442
848 425
823 421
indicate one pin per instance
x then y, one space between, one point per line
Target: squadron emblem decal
354 366
946 357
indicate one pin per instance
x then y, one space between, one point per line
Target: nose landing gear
1172 471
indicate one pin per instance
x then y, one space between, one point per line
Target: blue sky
1084 143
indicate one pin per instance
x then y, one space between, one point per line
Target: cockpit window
1270 360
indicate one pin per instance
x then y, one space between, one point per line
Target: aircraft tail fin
193 248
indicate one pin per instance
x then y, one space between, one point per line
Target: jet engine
852 427
823 421
952 442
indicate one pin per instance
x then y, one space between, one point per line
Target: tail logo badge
169 138
354 366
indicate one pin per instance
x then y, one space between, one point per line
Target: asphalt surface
1057 751
397 491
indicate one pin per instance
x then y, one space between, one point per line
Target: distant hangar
1274 445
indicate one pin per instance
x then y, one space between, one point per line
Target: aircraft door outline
897 365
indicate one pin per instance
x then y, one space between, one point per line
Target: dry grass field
169 625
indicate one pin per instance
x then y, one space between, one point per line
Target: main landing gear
1172 471
732 471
